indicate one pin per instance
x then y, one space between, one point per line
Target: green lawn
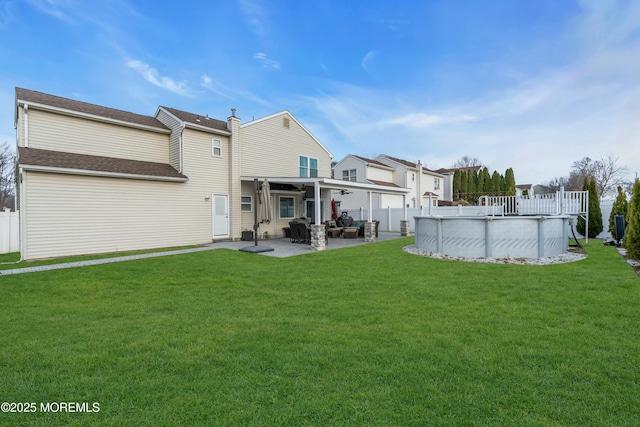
369 335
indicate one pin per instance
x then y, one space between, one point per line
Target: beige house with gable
93 179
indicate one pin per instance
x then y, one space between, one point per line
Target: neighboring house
525 190
542 189
392 172
422 181
360 169
93 179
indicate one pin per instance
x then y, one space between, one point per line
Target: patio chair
304 234
332 228
295 236
351 232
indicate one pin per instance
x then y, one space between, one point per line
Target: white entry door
220 216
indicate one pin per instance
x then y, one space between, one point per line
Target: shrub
595 213
631 239
620 207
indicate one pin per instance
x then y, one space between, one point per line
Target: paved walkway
282 248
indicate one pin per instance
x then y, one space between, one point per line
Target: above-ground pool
493 236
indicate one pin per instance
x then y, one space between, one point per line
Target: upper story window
349 175
216 148
436 183
308 167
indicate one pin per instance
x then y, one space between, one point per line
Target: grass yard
360 336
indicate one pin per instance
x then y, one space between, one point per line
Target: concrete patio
282 248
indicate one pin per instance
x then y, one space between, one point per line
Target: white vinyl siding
57 132
379 174
75 215
174 139
267 150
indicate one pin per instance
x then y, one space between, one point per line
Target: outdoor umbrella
265 203
334 209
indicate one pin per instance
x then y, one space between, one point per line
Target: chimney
233 112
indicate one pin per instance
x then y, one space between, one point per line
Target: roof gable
290 116
85 109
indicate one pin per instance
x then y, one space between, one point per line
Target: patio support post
369 226
317 230
404 224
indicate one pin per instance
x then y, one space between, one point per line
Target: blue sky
533 85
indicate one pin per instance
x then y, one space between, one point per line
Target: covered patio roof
334 184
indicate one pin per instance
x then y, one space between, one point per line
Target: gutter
26 125
86 172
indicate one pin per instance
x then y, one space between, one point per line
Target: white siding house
392 172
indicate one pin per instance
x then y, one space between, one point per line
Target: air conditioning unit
247 235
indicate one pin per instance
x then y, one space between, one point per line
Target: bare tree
557 182
7 176
467 162
608 173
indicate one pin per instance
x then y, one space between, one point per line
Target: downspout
26 125
22 176
181 151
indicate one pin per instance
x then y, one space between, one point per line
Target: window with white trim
216 148
246 204
308 167
349 175
287 207
436 183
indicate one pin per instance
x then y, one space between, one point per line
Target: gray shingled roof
388 184
32 96
64 160
200 120
374 162
408 163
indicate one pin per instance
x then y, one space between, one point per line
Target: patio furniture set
345 227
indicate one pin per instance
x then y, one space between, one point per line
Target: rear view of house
93 179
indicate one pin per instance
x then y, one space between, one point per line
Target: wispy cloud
151 75
254 16
6 13
421 120
215 87
265 61
55 8
367 61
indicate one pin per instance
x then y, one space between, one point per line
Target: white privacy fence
562 203
9 232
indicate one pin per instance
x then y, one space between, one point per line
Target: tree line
471 183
